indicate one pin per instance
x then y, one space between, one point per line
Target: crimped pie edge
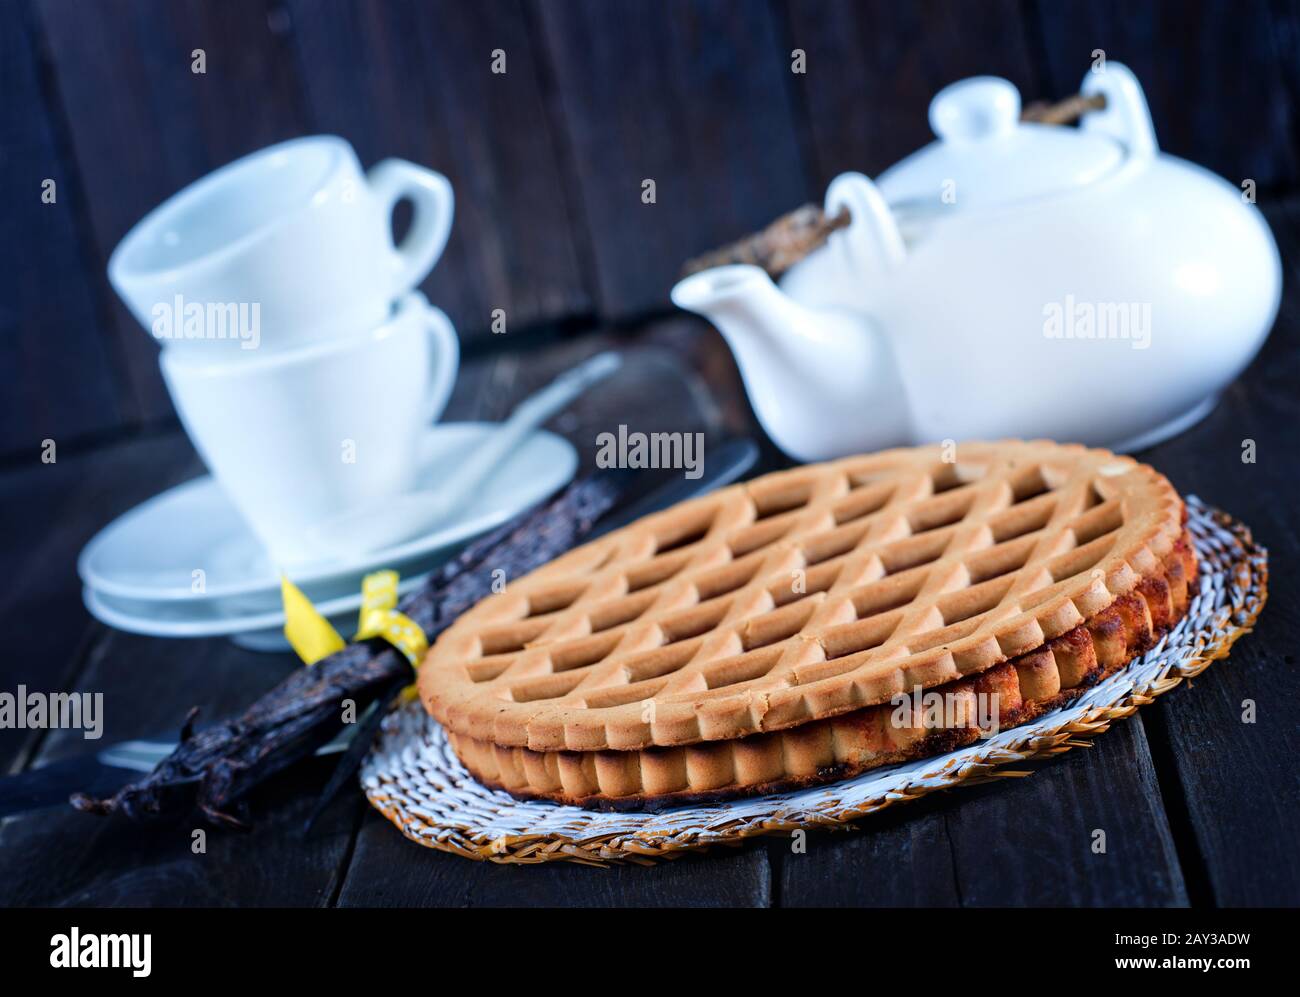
1089 653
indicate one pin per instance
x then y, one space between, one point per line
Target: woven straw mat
413 778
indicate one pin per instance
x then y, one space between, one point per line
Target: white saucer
150 554
259 631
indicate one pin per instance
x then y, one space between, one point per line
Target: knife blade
98 773
723 465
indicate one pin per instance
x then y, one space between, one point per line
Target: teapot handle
1126 116
872 242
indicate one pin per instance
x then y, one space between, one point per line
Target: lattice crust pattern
803 595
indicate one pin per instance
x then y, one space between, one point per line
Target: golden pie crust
752 640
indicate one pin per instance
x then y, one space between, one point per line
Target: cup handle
445 360
435 204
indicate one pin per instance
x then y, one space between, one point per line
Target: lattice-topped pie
781 632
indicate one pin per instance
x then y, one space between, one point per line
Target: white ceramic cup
301 436
286 246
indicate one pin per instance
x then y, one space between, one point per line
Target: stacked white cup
301 360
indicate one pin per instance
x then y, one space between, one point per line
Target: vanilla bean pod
216 767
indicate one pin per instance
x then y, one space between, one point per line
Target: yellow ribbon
309 634
313 637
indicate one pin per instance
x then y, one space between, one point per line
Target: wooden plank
1045 853
387 870
899 858
63 857
415 80
1237 782
1215 72
693 96
1017 842
56 368
143 125
54 509
873 67
148 686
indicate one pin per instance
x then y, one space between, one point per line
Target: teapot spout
822 382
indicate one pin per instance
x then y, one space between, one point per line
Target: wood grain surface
548 162
1190 798
548 158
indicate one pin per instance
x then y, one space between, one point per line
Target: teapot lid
985 156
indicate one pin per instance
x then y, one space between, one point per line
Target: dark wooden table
1198 806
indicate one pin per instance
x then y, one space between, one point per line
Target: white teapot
1009 279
